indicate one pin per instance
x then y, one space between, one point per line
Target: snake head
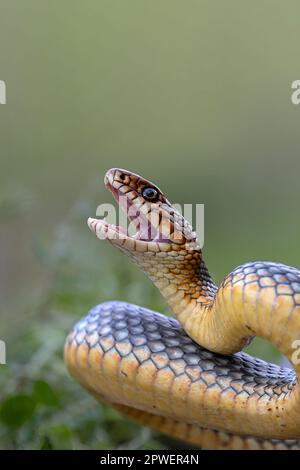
158 226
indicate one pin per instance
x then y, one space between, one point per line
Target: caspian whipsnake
185 377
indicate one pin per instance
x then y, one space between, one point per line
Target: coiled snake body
185 377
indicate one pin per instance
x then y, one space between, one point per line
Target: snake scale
186 377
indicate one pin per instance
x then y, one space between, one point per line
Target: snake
186 375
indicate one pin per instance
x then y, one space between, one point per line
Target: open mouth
143 219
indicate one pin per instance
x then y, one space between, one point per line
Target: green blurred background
193 95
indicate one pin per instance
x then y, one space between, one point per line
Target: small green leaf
61 436
15 411
44 394
46 443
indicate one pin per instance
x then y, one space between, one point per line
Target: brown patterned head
158 226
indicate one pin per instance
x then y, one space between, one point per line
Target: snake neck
189 283
182 278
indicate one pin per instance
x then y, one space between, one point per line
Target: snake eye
150 194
